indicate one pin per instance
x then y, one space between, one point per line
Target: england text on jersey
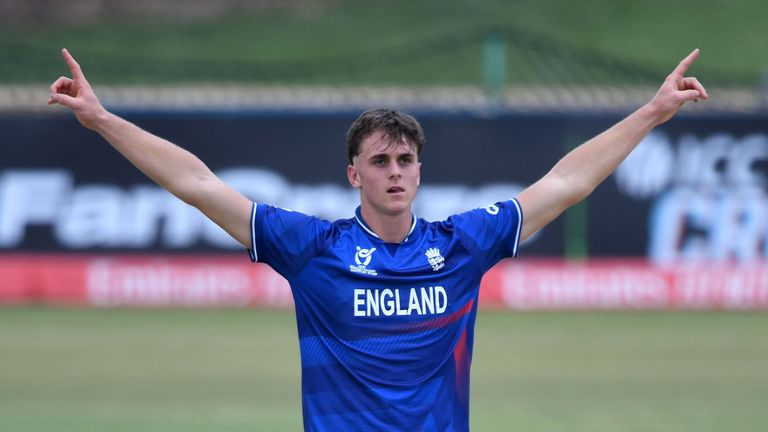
388 302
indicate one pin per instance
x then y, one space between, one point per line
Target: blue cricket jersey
385 332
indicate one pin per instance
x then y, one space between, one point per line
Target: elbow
191 190
578 192
572 187
573 190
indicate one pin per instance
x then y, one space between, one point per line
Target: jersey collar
366 228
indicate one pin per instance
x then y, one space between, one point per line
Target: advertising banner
231 281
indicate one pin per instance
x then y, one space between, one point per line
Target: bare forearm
170 166
592 162
579 172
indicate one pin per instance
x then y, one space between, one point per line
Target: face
386 173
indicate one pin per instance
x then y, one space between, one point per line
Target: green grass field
238 370
339 38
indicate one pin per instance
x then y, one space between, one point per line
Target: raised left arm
579 172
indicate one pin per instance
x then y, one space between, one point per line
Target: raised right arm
173 168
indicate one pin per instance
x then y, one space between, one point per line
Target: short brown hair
395 125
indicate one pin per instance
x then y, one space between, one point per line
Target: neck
391 228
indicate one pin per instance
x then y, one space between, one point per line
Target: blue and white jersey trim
365 228
252 251
519 226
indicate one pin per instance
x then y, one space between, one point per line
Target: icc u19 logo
363 256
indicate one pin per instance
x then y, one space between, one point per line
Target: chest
364 280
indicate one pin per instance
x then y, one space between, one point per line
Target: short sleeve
284 239
491 233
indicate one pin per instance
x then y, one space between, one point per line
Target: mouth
395 189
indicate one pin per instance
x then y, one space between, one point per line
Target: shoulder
280 223
501 210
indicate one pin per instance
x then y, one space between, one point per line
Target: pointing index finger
74 67
686 63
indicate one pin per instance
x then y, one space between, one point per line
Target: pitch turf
225 370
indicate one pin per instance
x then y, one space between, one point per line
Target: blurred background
642 308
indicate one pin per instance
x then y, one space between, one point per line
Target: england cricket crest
435 259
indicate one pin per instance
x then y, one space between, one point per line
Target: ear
353 177
418 177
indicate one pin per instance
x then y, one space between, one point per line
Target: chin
392 206
399 207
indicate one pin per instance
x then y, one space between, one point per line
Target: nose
394 170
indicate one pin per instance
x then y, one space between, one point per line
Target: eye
379 162
406 160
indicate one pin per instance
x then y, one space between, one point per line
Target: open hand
76 94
